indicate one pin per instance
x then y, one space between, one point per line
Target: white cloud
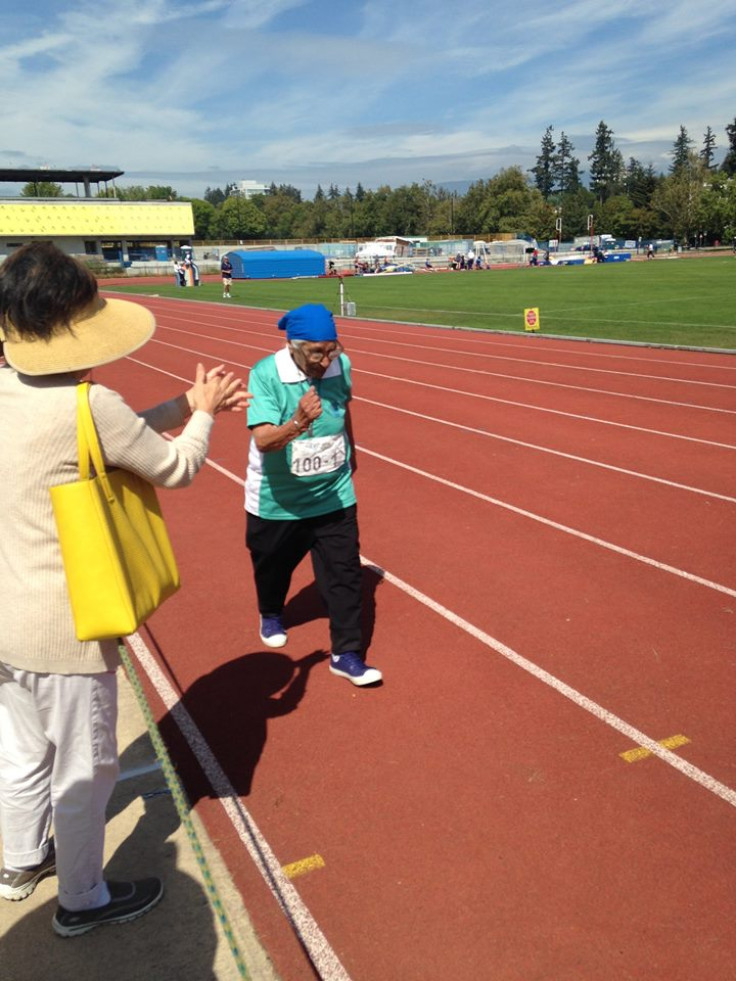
366 90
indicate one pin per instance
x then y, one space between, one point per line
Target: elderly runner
299 494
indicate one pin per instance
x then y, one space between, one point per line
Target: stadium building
130 233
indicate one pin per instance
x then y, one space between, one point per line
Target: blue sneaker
351 666
272 631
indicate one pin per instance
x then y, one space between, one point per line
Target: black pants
277 547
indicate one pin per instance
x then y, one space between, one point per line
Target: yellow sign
531 318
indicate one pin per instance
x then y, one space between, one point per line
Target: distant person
226 271
650 251
58 695
195 271
299 493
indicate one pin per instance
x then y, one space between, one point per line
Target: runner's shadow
307 605
231 707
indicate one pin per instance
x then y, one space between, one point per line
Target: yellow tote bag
117 556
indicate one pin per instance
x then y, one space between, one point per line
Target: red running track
548 530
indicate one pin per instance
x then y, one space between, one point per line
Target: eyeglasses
317 357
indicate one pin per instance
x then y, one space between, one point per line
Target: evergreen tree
679 199
565 167
286 191
214 195
681 150
729 161
709 147
640 183
544 170
606 164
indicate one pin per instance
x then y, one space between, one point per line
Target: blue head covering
310 322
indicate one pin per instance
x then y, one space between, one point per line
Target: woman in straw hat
58 695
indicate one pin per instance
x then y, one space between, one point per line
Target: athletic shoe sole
370 676
122 908
277 640
17 893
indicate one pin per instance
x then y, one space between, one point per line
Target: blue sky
196 94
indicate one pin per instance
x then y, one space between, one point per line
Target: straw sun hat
102 332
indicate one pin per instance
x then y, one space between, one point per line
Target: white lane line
602 543
547 364
495 339
489 398
546 449
322 956
576 533
542 381
449 367
478 336
262 319
556 412
582 701
311 936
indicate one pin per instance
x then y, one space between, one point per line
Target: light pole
558 227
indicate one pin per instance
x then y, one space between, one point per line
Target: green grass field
688 302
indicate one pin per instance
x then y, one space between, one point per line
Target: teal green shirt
272 489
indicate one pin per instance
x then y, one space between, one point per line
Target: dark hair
42 288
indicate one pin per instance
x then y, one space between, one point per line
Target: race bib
321 454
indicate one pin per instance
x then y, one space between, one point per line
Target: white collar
290 372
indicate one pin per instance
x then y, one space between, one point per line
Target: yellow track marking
303 866
640 753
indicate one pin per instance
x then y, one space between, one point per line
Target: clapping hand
216 390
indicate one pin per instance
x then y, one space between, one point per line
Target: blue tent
276 263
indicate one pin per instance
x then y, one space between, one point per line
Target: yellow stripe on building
108 219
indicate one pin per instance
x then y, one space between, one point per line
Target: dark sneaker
272 631
128 901
19 885
351 666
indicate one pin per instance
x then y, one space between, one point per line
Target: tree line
695 201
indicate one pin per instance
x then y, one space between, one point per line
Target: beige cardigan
38 448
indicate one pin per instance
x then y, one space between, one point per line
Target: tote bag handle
88 443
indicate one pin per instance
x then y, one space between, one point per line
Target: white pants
58 761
